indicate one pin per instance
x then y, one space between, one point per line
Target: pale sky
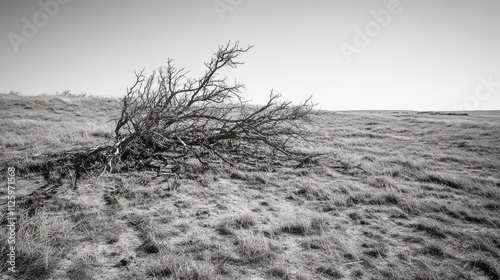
430 55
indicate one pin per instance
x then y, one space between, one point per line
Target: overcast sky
371 54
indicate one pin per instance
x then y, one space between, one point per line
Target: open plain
395 195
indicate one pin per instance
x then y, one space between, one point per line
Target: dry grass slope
398 195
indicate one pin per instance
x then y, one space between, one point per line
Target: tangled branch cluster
169 116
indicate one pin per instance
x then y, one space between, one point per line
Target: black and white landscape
233 139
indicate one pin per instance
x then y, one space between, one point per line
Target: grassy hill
398 195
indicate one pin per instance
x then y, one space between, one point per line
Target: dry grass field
396 195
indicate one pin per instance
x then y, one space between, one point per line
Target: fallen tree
169 118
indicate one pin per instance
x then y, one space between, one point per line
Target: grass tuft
432 228
181 267
255 248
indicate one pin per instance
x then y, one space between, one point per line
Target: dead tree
170 116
